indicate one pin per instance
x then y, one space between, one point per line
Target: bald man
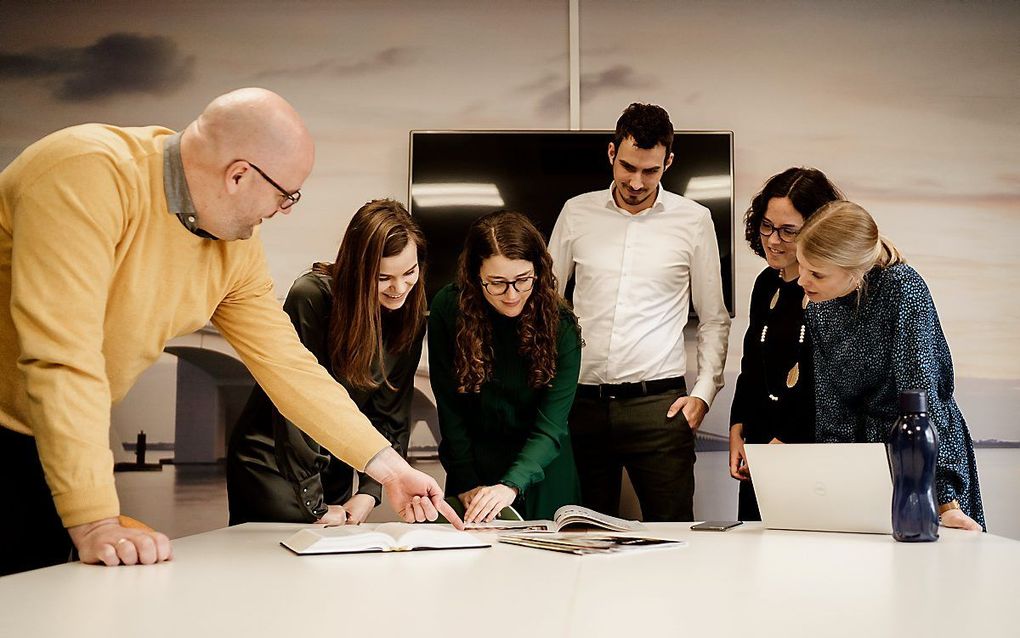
112 242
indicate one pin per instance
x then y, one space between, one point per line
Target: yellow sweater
96 275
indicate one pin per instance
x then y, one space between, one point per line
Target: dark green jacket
508 432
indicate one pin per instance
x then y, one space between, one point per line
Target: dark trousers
32 534
747 503
658 452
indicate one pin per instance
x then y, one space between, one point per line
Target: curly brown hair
513 236
808 190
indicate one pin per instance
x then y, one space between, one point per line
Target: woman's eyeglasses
498 288
787 234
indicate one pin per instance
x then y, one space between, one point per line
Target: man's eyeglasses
498 288
786 233
289 199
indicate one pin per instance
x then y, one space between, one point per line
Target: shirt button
305 491
191 218
308 503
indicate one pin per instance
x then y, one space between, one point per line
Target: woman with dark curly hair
504 356
774 398
363 317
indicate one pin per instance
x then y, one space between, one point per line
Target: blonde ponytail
889 255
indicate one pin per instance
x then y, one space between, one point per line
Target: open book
566 516
387 537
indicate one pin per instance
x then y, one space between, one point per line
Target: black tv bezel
608 133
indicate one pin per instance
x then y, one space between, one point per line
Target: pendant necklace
793 376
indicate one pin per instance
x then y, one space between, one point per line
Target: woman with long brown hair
504 356
363 317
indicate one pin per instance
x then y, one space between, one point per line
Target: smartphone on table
716 526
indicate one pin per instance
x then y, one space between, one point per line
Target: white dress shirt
635 277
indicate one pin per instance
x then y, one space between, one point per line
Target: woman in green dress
504 356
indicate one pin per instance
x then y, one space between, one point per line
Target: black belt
631 390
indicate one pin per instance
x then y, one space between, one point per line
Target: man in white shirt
639 256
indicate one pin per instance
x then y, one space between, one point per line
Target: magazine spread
566 516
387 537
582 543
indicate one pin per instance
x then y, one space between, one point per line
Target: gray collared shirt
175 186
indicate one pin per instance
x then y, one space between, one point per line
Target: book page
421 535
325 540
577 515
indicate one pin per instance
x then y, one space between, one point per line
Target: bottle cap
913 402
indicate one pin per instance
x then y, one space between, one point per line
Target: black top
276 471
765 366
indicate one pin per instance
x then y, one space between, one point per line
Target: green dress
508 432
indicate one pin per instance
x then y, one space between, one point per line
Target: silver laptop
828 487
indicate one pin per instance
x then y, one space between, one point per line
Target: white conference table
747 581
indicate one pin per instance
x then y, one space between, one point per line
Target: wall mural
913 109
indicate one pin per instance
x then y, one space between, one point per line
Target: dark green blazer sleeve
455 451
550 429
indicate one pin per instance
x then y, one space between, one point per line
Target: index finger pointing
444 508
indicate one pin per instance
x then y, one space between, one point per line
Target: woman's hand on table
956 518
466 497
488 502
358 508
336 515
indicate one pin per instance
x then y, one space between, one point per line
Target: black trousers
658 452
32 534
747 503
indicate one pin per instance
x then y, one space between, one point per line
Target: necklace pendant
775 300
793 376
773 397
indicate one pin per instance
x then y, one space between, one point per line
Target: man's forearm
385 465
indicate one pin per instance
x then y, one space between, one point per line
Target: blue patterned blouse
866 353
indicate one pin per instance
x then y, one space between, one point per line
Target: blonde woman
875 333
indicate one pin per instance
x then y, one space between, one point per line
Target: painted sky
913 108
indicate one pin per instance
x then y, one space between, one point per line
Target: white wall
911 107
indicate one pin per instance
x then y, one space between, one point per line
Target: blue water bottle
913 448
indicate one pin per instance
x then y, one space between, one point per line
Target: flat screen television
457 176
